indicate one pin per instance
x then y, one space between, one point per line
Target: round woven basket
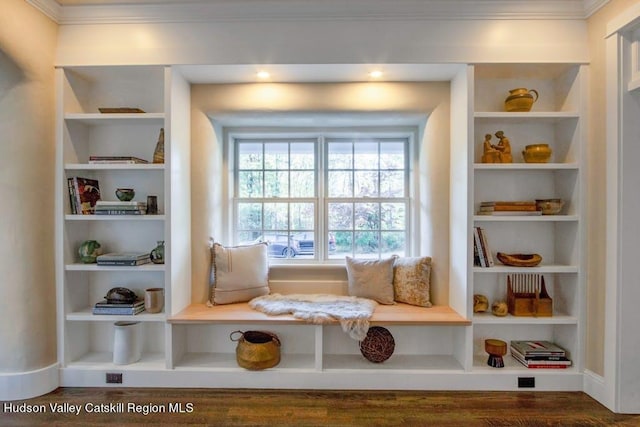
378 345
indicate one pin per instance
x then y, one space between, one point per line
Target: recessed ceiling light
263 74
375 74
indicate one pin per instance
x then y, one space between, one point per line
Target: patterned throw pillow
238 274
412 281
371 279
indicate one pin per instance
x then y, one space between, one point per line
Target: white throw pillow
238 273
371 279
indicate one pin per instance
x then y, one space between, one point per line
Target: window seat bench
397 314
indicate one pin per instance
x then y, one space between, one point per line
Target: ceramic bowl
125 194
537 153
549 206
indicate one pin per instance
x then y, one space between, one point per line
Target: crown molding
326 10
51 8
592 6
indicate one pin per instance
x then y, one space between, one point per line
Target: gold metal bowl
549 206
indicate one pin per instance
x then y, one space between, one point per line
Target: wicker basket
256 350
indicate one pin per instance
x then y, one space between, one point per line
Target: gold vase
158 153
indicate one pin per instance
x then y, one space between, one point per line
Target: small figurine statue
491 153
504 147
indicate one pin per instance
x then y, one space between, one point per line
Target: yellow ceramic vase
520 99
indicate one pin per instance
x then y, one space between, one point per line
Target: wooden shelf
556 319
525 116
104 360
96 267
526 218
114 166
551 268
511 365
110 119
85 315
397 314
397 362
227 361
525 166
70 217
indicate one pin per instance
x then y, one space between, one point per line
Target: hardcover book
118 310
117 211
123 256
537 348
104 304
540 360
87 193
116 159
119 203
126 263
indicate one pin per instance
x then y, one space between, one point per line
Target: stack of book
524 207
116 160
124 258
481 251
84 194
107 207
105 307
540 354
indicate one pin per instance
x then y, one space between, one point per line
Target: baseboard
25 385
594 386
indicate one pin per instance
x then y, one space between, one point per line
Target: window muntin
275 193
360 206
367 188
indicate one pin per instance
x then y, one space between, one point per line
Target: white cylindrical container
127 342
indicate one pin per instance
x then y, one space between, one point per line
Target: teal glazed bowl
125 194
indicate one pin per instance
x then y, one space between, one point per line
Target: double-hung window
323 198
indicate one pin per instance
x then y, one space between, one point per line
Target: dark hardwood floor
221 407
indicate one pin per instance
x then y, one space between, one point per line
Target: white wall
27 147
309 41
596 183
363 41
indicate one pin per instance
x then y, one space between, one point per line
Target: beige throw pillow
412 281
238 273
371 279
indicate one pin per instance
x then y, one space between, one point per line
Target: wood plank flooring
220 407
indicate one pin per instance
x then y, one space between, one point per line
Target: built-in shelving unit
85 341
558 119
187 345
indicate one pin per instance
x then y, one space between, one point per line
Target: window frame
321 136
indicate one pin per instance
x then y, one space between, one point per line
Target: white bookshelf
85 341
559 119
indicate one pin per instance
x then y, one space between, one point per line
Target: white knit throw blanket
353 313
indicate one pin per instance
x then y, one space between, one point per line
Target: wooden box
527 296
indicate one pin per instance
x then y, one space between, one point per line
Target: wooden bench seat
397 314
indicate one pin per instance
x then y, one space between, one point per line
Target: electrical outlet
526 382
113 378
